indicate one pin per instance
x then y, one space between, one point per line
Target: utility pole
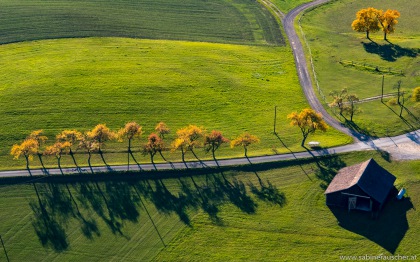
275 118
382 97
5 252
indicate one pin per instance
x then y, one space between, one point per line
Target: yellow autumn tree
162 129
90 145
28 148
388 21
244 140
367 20
57 150
130 131
100 134
154 145
308 120
40 138
188 138
72 137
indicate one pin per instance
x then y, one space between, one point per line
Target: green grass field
329 34
231 21
214 217
77 83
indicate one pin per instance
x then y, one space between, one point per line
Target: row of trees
68 141
372 20
187 139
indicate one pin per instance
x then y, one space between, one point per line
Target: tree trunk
128 154
59 164
90 166
27 165
385 36
367 34
246 151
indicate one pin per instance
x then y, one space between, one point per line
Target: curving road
363 143
303 71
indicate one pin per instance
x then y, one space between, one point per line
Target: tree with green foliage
244 140
338 99
350 107
308 120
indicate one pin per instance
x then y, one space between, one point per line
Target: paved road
363 143
303 71
376 144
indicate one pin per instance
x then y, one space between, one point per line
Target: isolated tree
154 145
130 131
213 141
72 137
308 120
162 129
388 21
415 97
339 99
367 20
28 148
100 134
188 138
244 140
57 150
40 139
350 108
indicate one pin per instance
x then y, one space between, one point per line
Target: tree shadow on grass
390 52
328 167
116 200
387 230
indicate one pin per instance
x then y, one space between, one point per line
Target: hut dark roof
373 179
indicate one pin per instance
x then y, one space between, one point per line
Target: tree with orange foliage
213 141
90 146
154 145
101 134
57 150
367 20
162 129
308 120
244 140
187 139
28 148
40 139
388 21
72 137
130 131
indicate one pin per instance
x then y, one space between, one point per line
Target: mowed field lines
232 21
274 214
78 83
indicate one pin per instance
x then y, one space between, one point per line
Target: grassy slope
287 5
234 224
330 37
215 21
78 83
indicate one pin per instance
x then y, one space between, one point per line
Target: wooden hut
364 186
